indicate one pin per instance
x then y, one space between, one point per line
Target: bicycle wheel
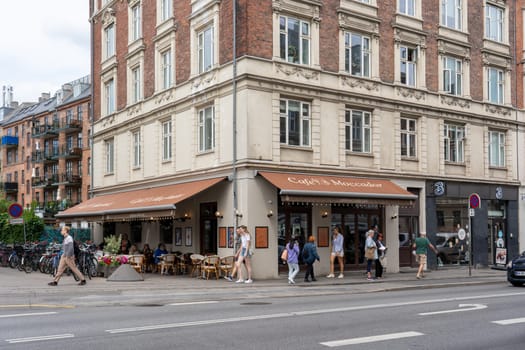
93 266
14 261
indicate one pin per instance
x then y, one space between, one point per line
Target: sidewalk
19 288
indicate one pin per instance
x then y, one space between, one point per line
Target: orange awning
329 189
161 200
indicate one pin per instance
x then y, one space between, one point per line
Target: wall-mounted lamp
218 215
270 213
324 214
393 217
238 213
187 216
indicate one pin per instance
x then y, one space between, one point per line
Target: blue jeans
293 270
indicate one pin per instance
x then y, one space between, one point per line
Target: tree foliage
34 225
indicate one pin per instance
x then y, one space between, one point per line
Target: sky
43 45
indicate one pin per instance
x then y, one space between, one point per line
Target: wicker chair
210 264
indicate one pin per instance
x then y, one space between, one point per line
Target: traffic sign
474 201
462 234
15 210
16 221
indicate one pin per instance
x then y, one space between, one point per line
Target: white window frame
496 148
454 143
136 146
206 129
110 156
300 123
135 22
109 96
452 76
407 7
452 14
136 84
358 131
167 137
205 49
410 64
109 41
365 54
303 52
166 69
495 85
408 127
494 22
166 10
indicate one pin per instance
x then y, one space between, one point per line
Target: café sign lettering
313 181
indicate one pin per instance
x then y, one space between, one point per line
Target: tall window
109 39
294 40
109 92
165 9
136 149
166 140
205 47
69 168
206 129
494 22
496 84
136 23
452 75
454 140
358 131
166 69
407 7
451 13
295 123
408 137
497 148
80 142
110 166
135 84
408 65
357 54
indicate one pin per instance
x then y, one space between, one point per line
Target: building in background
311 114
46 151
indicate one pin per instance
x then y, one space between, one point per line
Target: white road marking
510 321
371 339
308 312
44 337
463 307
30 314
194 303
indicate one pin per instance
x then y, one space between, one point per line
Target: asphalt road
472 317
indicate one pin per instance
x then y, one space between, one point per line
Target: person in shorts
337 252
421 244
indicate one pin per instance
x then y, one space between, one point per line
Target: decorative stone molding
297 72
201 81
135 109
360 83
410 93
497 110
348 21
164 97
108 16
455 101
107 121
309 8
447 48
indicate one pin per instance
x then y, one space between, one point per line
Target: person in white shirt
67 259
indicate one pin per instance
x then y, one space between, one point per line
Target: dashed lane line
370 339
510 321
29 314
41 338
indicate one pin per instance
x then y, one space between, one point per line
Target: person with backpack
293 259
309 257
67 259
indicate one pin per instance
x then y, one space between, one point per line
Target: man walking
67 259
421 245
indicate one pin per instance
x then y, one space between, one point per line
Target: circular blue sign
16 210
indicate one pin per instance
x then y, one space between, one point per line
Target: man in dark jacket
309 256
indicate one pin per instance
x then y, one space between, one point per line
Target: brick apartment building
46 152
335 112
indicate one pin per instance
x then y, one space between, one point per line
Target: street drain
256 303
149 305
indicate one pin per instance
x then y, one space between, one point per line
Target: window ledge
410 159
298 148
458 164
359 154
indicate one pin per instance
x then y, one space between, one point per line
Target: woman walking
337 252
309 257
293 260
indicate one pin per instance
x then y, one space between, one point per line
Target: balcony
45 131
44 181
69 179
10 187
9 141
69 125
70 152
44 156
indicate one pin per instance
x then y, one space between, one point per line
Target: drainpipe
234 122
91 104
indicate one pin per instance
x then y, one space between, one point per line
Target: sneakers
228 278
239 281
52 283
248 281
82 283
330 276
370 279
340 275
